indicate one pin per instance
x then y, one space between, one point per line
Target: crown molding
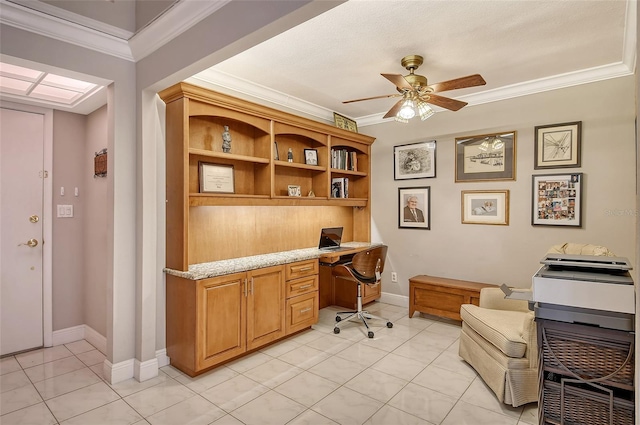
72 28
178 19
216 80
42 23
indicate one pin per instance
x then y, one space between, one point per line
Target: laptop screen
330 237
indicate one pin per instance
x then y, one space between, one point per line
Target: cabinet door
221 319
302 311
265 306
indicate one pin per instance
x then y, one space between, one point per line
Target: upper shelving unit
224 151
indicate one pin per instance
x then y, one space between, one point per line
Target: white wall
510 254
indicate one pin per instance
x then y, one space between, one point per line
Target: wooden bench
442 297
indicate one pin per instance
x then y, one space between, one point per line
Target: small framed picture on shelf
558 145
345 123
557 200
294 190
216 178
414 161
486 157
311 156
485 207
414 208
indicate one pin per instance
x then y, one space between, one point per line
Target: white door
21 231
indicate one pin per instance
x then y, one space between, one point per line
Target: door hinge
43 174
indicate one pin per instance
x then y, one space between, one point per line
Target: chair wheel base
336 330
389 324
338 318
370 334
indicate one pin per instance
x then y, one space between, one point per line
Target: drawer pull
304 269
305 286
305 310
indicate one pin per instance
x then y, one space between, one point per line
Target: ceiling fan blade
374 97
459 83
445 102
398 80
394 110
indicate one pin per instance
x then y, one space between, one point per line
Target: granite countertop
243 264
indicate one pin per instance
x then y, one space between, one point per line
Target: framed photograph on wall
557 200
414 161
485 207
414 208
558 145
486 157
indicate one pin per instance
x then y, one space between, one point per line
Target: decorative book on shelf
343 159
340 187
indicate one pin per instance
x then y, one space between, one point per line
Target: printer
593 290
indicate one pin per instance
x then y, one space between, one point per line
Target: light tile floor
409 374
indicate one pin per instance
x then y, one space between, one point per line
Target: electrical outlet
394 277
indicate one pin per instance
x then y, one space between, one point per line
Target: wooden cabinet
210 226
210 321
345 292
302 295
213 320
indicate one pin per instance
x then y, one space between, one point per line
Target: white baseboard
144 371
114 373
65 336
77 333
95 339
163 359
394 299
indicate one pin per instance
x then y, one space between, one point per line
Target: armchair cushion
502 328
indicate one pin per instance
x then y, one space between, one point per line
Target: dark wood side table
441 296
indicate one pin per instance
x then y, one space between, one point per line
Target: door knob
34 219
31 243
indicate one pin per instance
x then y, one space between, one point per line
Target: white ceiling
518 46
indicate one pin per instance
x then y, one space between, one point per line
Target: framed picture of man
414 208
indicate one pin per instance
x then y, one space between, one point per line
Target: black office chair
365 268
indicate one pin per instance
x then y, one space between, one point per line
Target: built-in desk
340 290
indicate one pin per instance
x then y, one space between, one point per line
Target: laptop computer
330 239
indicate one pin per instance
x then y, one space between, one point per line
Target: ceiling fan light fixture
407 110
424 110
400 119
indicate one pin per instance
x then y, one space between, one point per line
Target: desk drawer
301 286
301 269
302 312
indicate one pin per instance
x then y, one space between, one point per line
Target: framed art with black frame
558 145
414 161
414 208
486 157
557 200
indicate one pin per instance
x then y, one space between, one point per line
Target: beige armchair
499 340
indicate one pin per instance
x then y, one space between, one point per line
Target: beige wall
94 273
510 254
79 248
68 251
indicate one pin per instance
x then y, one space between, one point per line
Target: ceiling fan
416 93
